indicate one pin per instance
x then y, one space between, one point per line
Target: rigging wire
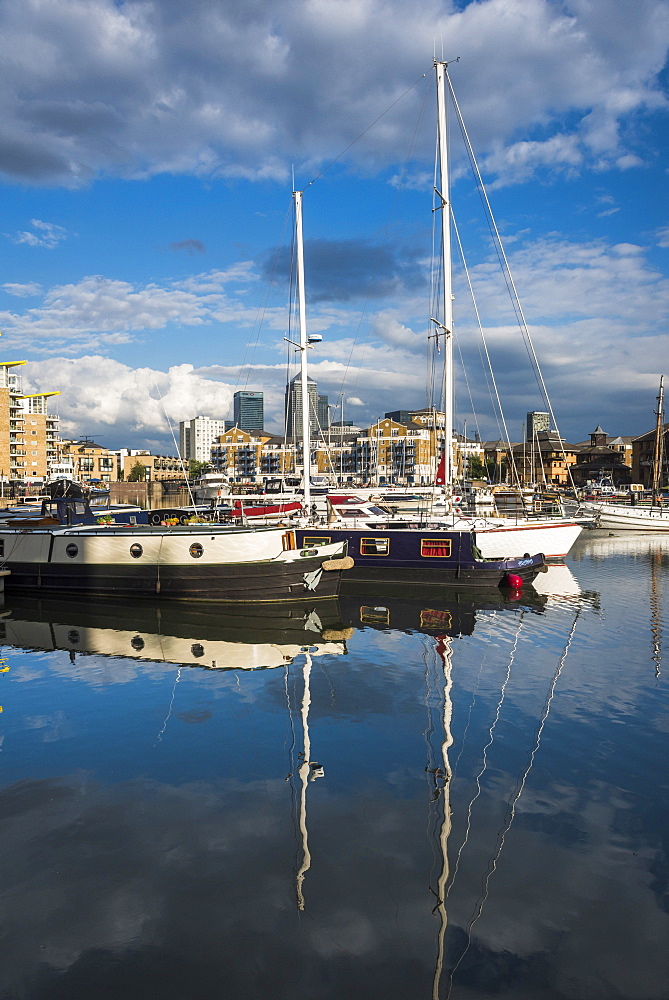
365 131
511 808
489 368
508 277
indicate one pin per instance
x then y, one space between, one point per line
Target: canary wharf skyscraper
248 410
294 406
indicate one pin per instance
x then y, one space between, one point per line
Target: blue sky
145 171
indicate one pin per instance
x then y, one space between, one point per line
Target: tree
138 473
475 468
196 468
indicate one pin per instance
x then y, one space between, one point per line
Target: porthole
71 550
136 550
137 642
197 649
73 636
196 550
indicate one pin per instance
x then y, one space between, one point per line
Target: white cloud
663 237
22 291
140 88
98 310
126 407
47 235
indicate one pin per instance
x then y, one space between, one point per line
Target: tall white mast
443 193
301 298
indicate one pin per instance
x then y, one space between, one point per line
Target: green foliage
137 474
475 468
196 469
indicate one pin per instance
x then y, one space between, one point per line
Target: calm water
445 799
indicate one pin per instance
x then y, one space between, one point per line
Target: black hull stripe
243 583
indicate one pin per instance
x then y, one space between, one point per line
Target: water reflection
206 636
430 799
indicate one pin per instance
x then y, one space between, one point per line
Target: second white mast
443 193
302 305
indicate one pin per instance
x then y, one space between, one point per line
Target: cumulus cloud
127 407
147 92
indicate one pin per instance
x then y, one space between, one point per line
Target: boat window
435 547
196 550
197 649
351 512
71 550
374 546
136 550
315 540
374 615
2 546
137 642
429 618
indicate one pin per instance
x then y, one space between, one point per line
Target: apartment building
28 432
247 456
88 460
196 437
156 467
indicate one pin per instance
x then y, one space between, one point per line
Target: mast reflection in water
489 815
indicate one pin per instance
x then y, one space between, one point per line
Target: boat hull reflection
205 636
452 614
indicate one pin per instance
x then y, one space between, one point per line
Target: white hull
621 517
498 540
201 561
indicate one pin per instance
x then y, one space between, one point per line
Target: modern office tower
196 437
294 406
536 423
248 410
323 413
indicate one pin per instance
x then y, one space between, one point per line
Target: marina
438 797
334 535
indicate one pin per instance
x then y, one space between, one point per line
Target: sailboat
386 550
496 537
470 550
635 515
